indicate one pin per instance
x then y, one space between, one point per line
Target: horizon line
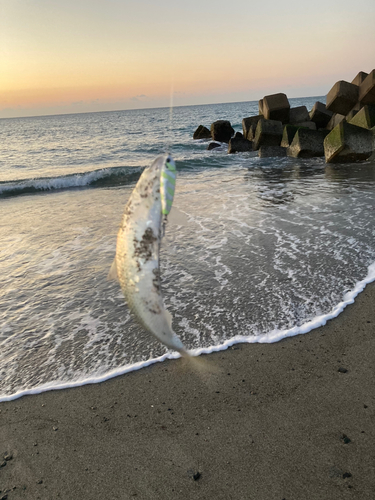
140 109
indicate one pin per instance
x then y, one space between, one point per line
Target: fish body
138 249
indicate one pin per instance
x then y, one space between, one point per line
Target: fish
137 260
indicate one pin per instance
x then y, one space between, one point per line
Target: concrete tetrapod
348 143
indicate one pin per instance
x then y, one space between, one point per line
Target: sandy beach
291 420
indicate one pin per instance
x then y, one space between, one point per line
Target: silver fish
136 262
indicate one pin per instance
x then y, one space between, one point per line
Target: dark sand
273 423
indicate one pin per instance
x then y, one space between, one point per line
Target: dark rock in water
359 78
320 115
298 115
342 97
238 135
249 126
307 144
268 133
271 151
289 131
202 133
365 117
239 145
367 89
213 145
221 131
348 143
334 121
276 107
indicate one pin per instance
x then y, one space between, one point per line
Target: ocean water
272 247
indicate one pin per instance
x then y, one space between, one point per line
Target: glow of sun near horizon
95 55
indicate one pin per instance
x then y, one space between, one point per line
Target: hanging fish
136 263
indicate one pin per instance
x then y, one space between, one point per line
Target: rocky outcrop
268 133
342 97
335 120
365 117
271 152
202 133
307 144
350 115
311 125
249 126
359 78
372 157
239 144
222 131
320 115
278 127
298 115
213 145
276 107
289 131
367 89
348 143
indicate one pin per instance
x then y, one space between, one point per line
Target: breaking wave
114 176
103 177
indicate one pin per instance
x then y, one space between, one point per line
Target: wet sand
292 420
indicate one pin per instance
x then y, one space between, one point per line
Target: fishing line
170 120
169 139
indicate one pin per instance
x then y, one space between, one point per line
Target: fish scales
137 254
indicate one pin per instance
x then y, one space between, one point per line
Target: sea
271 248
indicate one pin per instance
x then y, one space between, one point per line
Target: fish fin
112 275
177 217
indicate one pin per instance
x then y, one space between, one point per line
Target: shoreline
287 420
269 338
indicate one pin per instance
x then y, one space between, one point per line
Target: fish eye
168 159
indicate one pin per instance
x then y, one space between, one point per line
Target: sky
75 56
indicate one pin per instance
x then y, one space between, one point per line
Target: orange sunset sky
96 55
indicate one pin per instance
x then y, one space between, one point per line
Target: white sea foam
269 338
